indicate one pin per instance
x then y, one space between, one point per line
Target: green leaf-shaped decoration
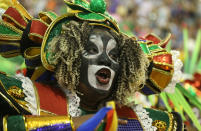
98 6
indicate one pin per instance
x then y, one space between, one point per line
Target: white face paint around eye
93 71
97 41
111 45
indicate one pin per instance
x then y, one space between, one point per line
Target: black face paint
100 67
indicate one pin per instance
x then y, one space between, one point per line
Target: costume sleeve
13 103
161 69
21 34
35 123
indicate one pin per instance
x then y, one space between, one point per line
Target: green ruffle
4 30
82 3
91 16
98 6
154 47
144 47
54 16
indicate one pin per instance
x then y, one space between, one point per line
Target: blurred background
140 17
181 18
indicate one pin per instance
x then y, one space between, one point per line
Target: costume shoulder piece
165 67
165 121
16 94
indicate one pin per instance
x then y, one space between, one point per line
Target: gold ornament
161 125
16 92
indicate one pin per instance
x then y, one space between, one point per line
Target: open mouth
103 76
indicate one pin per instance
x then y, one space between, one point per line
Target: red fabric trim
38 27
12 12
126 112
152 38
51 99
165 58
109 119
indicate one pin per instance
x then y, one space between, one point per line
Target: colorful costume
42 104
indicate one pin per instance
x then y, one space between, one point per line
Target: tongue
102 80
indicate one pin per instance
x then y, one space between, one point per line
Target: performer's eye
92 50
114 56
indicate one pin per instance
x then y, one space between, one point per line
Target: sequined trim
34 122
170 128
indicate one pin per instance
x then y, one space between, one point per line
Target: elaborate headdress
20 34
93 12
17 23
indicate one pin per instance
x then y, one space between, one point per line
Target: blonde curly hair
66 50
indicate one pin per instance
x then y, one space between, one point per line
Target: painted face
99 69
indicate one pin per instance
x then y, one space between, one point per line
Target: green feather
187 108
186 53
98 6
196 52
192 99
163 96
175 101
199 64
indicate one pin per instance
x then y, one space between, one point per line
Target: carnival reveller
86 62
91 65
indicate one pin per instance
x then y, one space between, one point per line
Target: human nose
104 60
